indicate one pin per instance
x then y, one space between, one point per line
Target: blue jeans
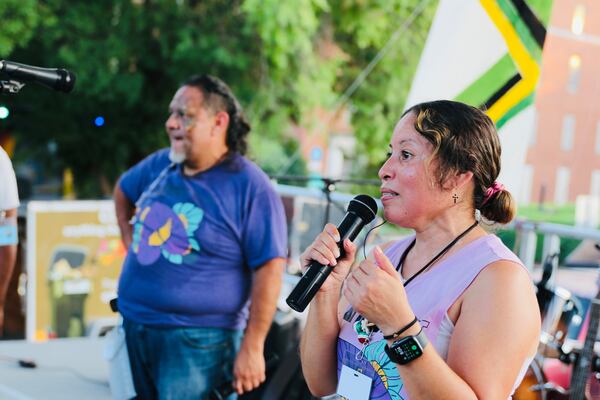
180 363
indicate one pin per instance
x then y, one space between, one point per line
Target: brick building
563 160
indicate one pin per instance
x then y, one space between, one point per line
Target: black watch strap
407 349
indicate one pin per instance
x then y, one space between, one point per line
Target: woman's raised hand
375 290
324 250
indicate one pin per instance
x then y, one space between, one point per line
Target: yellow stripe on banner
529 69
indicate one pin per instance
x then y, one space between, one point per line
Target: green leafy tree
19 20
129 58
293 43
364 28
130 55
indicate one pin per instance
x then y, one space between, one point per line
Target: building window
598 138
532 137
561 189
595 186
574 73
578 20
526 185
568 133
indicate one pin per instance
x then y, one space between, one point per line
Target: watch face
404 350
408 348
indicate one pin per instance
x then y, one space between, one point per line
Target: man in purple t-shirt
207 248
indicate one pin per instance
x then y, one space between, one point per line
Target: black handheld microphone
361 210
57 79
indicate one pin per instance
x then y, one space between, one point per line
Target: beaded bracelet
402 330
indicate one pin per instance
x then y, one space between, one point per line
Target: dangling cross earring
455 197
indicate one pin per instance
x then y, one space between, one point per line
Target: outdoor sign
488 53
74 257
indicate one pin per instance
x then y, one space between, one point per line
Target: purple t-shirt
137 179
196 241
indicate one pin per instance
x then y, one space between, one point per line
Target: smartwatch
406 349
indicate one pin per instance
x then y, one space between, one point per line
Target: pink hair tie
492 190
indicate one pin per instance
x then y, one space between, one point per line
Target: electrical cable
364 246
31 364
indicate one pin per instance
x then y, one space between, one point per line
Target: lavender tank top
430 295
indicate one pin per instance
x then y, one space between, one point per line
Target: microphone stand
10 86
329 186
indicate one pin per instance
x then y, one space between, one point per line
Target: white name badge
353 385
8 235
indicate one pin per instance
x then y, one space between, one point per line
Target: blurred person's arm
8 257
124 209
249 367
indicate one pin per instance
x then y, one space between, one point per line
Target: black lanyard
437 256
350 313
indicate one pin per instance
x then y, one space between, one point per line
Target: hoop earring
455 197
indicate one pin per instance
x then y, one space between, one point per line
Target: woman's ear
458 180
464 178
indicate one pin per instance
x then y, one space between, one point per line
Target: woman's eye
405 155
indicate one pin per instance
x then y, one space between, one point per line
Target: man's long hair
219 97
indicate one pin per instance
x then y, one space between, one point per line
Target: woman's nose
385 172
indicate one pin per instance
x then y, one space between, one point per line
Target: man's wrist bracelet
402 330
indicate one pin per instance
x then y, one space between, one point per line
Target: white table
66 369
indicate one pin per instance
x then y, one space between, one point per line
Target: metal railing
527 238
526 231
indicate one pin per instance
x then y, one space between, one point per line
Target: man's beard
175 156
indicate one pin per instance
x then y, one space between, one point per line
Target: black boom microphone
361 210
57 79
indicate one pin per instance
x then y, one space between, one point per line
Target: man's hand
249 366
248 369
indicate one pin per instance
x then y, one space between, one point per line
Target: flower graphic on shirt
390 380
162 230
374 363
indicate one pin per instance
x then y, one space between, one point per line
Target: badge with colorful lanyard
363 329
8 230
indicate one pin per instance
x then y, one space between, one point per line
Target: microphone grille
364 206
